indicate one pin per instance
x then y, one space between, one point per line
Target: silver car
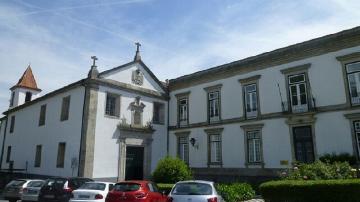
31 192
13 190
194 191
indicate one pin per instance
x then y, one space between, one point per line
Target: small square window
112 107
159 113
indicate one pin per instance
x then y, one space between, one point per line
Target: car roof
135 181
101 182
196 181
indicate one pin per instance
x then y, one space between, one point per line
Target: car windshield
17 183
93 186
192 188
35 184
55 182
127 187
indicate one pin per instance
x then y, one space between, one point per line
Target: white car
194 191
92 192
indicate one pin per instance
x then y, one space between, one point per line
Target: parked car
92 192
194 191
14 189
133 191
60 189
31 191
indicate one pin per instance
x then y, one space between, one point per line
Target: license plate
49 196
84 196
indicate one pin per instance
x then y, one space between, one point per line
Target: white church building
248 118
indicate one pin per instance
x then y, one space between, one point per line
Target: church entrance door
134 163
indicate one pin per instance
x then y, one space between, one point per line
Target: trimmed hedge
311 190
235 192
165 187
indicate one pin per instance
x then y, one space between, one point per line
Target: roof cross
94 58
137 46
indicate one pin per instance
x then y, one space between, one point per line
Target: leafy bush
343 157
165 188
321 171
235 192
311 190
171 170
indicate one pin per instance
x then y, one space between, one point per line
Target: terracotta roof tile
27 80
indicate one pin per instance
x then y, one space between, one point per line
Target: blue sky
178 36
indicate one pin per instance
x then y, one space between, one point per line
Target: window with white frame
112 107
183 111
215 148
250 93
214 105
297 92
353 75
183 148
253 146
357 134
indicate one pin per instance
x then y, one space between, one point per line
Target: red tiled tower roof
27 81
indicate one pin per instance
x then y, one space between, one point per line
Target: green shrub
171 170
311 190
321 171
165 188
235 192
343 157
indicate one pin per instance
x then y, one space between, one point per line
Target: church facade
249 118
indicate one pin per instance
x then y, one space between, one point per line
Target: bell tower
25 90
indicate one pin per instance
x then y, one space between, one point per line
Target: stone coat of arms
137 77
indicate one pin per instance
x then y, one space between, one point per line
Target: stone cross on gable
94 58
137 46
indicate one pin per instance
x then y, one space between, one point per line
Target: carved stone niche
137 109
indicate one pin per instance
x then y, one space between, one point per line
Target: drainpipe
3 144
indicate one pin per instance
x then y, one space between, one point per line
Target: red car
135 191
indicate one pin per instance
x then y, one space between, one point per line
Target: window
183 148
38 156
353 75
303 144
61 155
28 96
214 106
253 146
8 154
65 107
12 124
112 105
357 134
42 116
297 92
251 101
159 113
12 99
215 148
183 111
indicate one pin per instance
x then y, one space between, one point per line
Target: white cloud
59 43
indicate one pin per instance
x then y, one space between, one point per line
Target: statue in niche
137 77
136 108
